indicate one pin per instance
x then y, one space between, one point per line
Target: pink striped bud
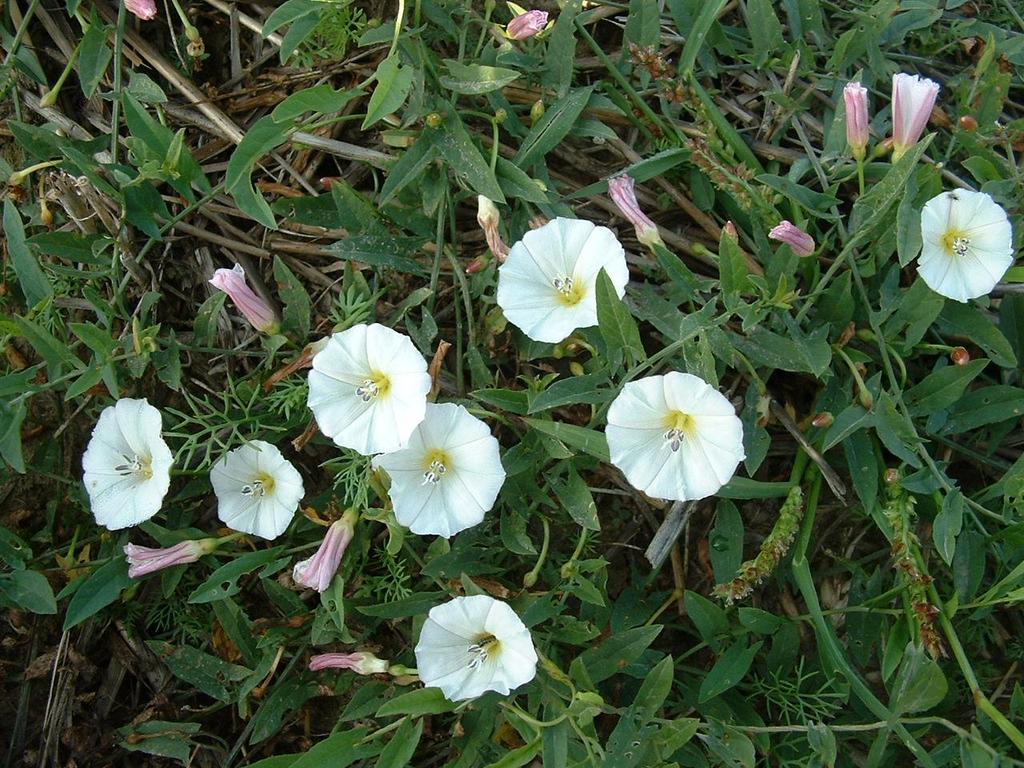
143 9
913 98
790 234
317 572
856 97
360 662
526 25
145 560
488 218
621 189
260 314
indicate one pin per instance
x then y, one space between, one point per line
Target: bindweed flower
856 97
448 476
143 9
790 234
260 315
674 436
368 389
967 244
912 100
621 189
488 218
146 560
526 25
258 489
317 572
472 645
547 286
360 662
127 465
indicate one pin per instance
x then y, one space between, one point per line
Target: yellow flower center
135 465
376 385
435 465
570 292
261 485
956 242
678 426
483 648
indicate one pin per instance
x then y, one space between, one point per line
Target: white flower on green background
967 244
368 388
674 436
258 489
472 645
127 464
448 476
547 285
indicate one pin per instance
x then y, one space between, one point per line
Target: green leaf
264 136
809 354
697 34
589 441
709 619
33 281
516 183
94 56
410 165
425 701
655 688
561 52
817 204
322 99
577 500
745 488
288 12
908 224
519 757
100 589
981 407
457 147
942 388
223 582
618 651
589 388
875 205
27 590
399 751
765 30
160 738
948 524
919 684
726 541
729 670
552 128
970 323
338 751
617 326
733 272
417 604
643 25
11 419
394 82
204 671
296 300
388 251
474 79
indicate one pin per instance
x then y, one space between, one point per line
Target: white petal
471 481
128 431
268 515
562 248
708 453
349 358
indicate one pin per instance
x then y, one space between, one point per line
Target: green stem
50 97
22 31
399 20
827 639
531 578
115 107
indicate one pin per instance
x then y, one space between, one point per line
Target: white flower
967 244
546 287
449 474
674 436
258 489
472 645
127 464
368 388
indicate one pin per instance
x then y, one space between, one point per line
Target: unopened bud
960 356
730 230
892 476
576 369
823 419
500 116
968 123
536 111
434 120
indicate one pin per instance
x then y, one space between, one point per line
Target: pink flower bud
260 314
143 9
856 97
488 218
621 191
317 572
526 25
790 234
912 100
360 662
145 560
